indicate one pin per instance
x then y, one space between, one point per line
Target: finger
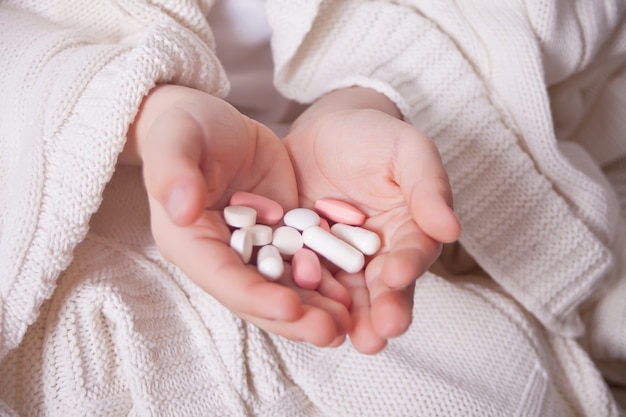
410 252
336 309
433 212
392 313
242 289
330 287
171 167
314 326
424 183
339 340
201 252
363 335
391 308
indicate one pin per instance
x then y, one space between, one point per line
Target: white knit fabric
513 188
94 322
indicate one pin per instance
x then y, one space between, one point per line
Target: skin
196 150
352 145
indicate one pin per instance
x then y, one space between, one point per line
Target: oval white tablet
334 249
241 242
239 216
287 240
269 262
301 218
364 240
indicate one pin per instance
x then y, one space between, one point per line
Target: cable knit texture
538 225
94 322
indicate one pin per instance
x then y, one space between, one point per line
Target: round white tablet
261 234
241 242
287 240
301 218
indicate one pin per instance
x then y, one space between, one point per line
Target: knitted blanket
527 320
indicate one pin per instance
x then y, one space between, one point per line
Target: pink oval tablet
306 269
339 211
268 211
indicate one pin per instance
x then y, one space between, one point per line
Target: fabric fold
527 235
78 95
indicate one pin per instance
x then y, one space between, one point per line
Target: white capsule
241 242
261 234
364 240
239 216
301 218
269 262
287 240
334 249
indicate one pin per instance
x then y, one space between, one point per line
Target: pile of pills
298 236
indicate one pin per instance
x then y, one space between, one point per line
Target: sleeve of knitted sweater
543 241
73 76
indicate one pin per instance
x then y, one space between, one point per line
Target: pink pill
339 211
268 211
306 269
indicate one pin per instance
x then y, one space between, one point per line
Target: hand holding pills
352 143
344 244
195 149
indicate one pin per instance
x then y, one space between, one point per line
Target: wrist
154 104
358 98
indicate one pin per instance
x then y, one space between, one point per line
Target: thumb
171 168
425 185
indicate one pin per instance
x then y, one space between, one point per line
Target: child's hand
351 145
196 151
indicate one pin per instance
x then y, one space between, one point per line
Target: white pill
269 262
241 242
301 218
239 216
261 234
334 249
364 240
287 239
